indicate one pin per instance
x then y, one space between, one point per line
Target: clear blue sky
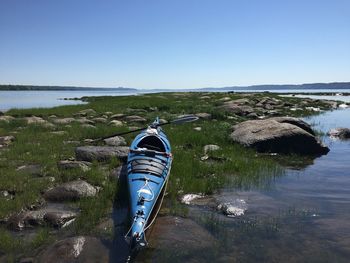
174 43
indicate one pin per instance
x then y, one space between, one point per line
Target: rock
88 126
70 191
182 235
120 171
108 113
211 148
32 169
68 165
35 120
237 208
101 153
241 101
225 99
6 140
343 106
85 121
205 97
27 260
197 128
333 104
54 215
162 121
63 120
278 135
100 120
135 118
77 249
313 109
252 115
115 123
188 198
117 116
60 133
341 133
85 112
6 118
115 141
203 115
240 110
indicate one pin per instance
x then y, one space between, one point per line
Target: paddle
189 118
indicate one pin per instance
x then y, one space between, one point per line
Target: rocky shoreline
266 123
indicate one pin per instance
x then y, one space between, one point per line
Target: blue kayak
148 166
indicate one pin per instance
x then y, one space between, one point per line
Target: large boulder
238 109
101 153
278 135
75 250
70 191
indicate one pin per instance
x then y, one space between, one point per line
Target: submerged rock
101 153
278 135
188 198
341 133
237 208
70 191
75 249
180 234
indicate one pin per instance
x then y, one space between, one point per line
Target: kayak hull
148 166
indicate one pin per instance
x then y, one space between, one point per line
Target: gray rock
197 128
117 116
278 135
120 171
189 198
6 118
85 112
100 120
181 234
101 153
135 118
203 115
68 165
115 123
35 120
63 120
6 140
70 191
78 249
211 148
240 110
115 141
341 133
88 126
32 169
85 121
237 208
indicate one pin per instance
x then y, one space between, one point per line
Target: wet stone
76 249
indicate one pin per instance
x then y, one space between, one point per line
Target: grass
35 144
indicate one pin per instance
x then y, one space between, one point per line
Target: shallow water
302 216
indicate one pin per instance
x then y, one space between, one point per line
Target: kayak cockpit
152 142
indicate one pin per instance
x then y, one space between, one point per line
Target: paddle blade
188 118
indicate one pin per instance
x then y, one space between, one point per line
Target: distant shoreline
308 86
